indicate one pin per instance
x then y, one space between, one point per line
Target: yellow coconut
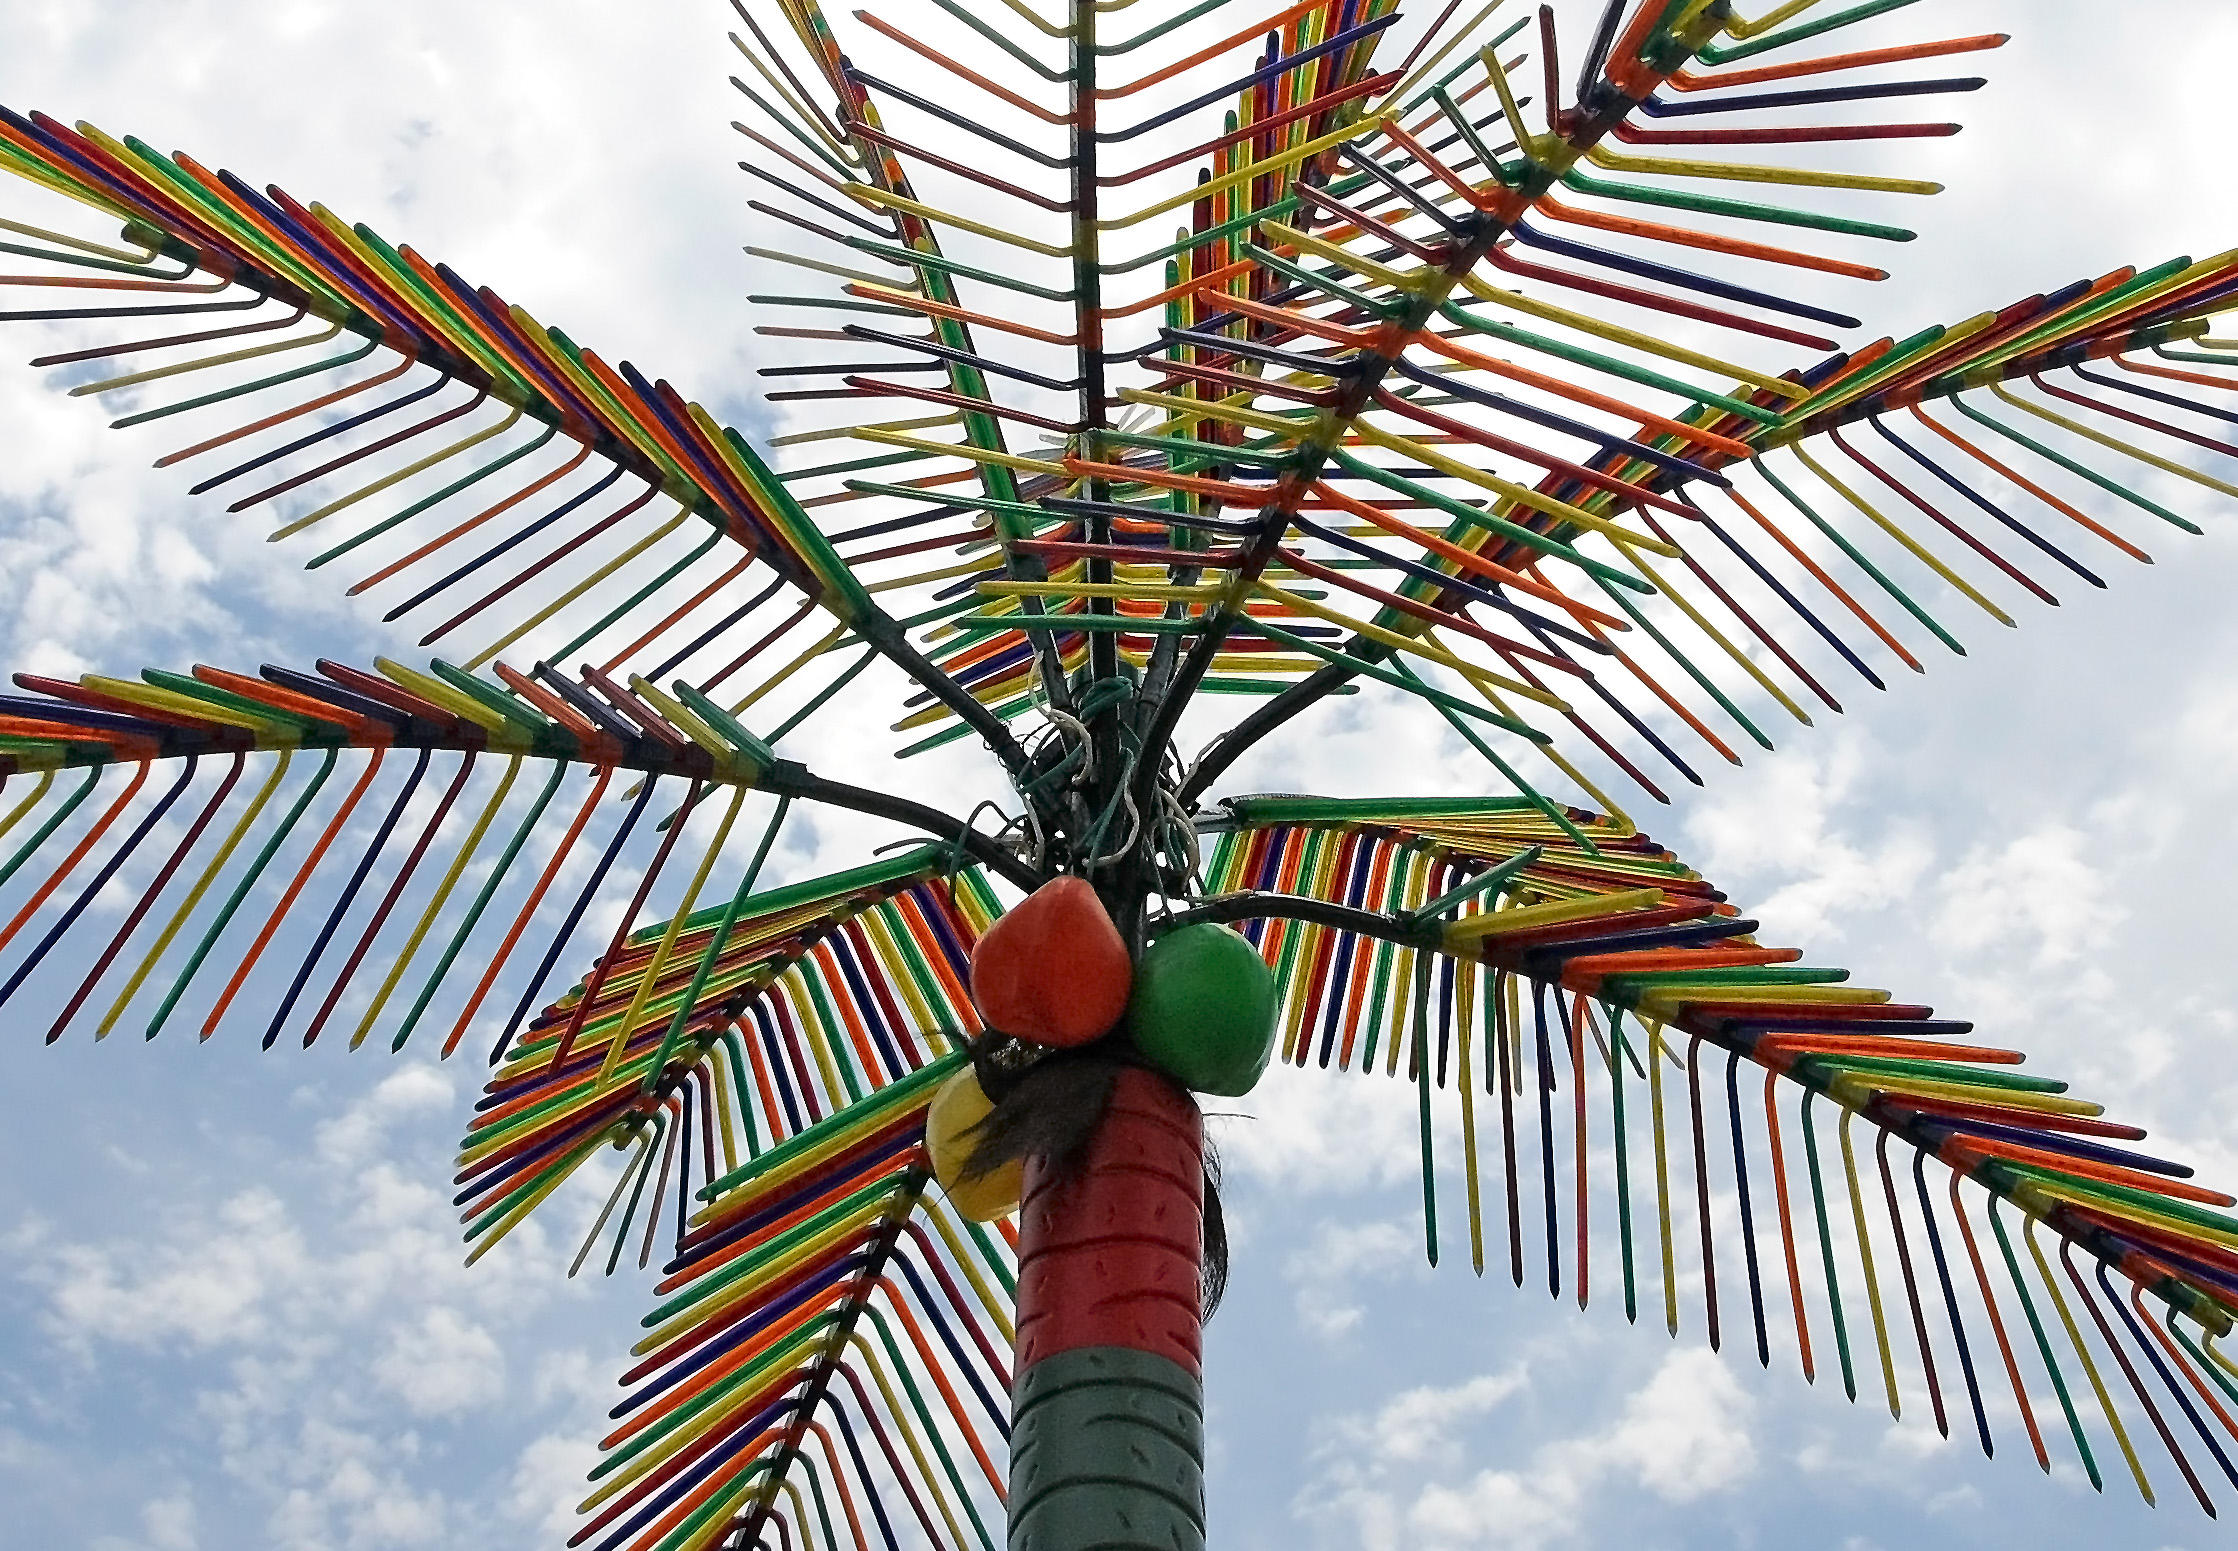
960 1105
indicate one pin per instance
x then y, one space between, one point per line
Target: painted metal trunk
1107 1415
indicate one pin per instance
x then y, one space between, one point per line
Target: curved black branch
796 780
1252 904
886 634
1233 744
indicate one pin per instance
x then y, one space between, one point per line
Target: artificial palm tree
1464 375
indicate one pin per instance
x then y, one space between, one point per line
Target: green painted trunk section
1107 1454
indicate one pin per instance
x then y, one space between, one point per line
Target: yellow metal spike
1464 1010
342 503
503 733
1741 27
15 814
2082 1350
800 110
1201 592
181 368
2165 465
1742 172
727 759
1647 344
1515 494
1743 660
890 201
835 432
1404 90
436 902
659 960
1303 151
1414 646
824 644
1918 550
1500 923
1656 1049
194 895
1403 281
1016 462
273 732
1865 1252
489 653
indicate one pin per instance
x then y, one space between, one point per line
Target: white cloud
1688 1433
1685 1435
1493 1508
1778 838
1327 1271
1681 1437
1422 1422
548 1482
442 1366
2206 731
559 162
18 1452
210 1285
574 1374
325 1317
341 1498
1313 1131
2038 889
353 1137
169 1523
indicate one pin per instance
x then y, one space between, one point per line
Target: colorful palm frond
1308 392
810 1027
296 729
810 1285
1481 953
1488 919
778 1011
222 728
1461 374
301 262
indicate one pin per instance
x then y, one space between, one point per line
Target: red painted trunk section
1110 1255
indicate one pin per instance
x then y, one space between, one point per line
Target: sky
231 1306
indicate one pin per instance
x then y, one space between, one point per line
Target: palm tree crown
1159 362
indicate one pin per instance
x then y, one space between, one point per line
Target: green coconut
1203 1009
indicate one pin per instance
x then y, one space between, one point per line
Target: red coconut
1054 970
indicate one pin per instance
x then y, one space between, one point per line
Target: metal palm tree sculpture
1286 352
